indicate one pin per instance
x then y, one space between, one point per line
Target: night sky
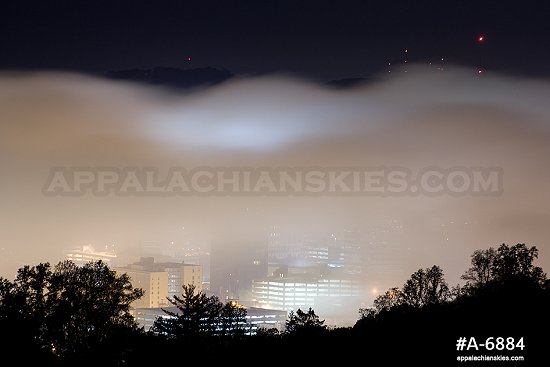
317 39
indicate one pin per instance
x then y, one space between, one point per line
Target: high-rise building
384 253
182 274
346 252
199 256
234 264
153 283
338 251
178 274
283 246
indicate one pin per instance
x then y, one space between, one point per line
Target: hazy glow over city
414 120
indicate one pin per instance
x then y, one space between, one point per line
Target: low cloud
414 120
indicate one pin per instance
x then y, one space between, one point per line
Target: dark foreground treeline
79 316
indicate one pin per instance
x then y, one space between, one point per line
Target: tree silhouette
481 272
507 263
425 310
517 261
300 322
233 320
69 310
24 300
69 315
425 287
86 303
201 316
392 298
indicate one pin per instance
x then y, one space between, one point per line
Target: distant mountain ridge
174 77
206 77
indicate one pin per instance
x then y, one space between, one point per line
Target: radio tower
480 41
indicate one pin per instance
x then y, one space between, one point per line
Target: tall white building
153 283
178 274
182 274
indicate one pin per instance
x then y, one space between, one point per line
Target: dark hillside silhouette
79 316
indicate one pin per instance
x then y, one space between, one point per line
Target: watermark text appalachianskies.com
269 181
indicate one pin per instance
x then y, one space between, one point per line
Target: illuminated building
257 317
183 274
303 291
153 283
85 254
342 252
178 274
